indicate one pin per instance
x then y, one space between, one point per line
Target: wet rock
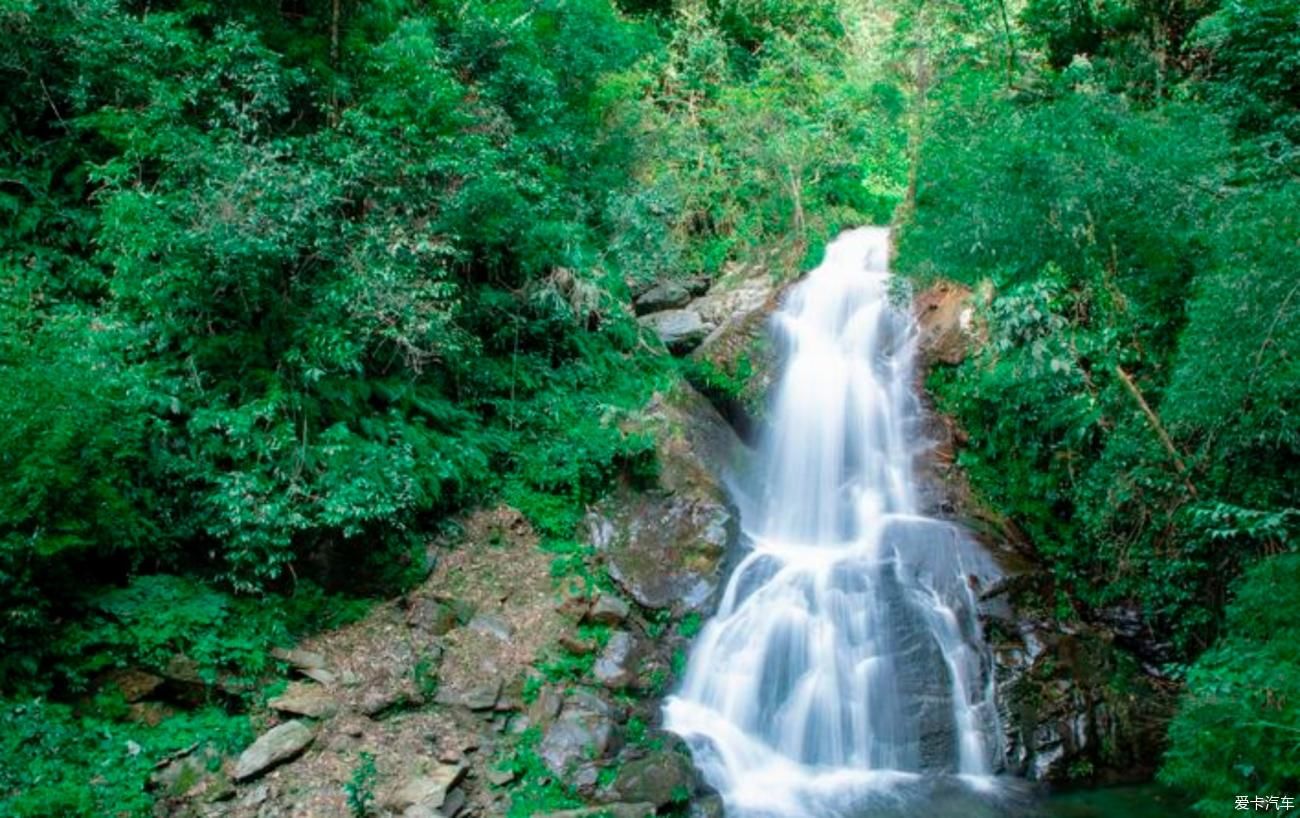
427 788
710 806
303 699
666 295
662 778
679 330
453 804
616 666
608 610
271 748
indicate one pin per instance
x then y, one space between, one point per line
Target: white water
845 662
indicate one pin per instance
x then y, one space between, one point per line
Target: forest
289 288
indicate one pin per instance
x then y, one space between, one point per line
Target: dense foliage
287 286
1120 193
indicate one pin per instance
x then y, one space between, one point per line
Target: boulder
616 666
305 699
271 748
679 330
665 548
586 730
666 295
661 778
945 315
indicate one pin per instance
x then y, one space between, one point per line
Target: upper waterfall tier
845 656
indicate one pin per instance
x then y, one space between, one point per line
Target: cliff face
1081 698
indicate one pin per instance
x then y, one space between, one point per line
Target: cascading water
845 661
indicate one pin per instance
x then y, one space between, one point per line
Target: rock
576 646
380 700
453 804
499 778
662 778
319 674
945 318
608 610
607 811
679 330
584 731
666 295
665 550
437 618
301 659
710 806
271 748
615 667
427 788
546 706
482 696
135 684
491 625
304 699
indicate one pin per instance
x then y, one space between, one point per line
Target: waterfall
845 662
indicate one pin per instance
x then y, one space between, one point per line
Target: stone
606 811
319 674
380 700
614 669
679 330
585 731
661 778
301 659
426 788
491 625
453 804
437 618
304 699
271 748
608 610
481 696
499 778
546 706
710 806
945 323
668 550
666 295
135 684
576 646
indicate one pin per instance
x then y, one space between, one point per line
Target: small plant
361 787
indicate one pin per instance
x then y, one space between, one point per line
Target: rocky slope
1081 700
